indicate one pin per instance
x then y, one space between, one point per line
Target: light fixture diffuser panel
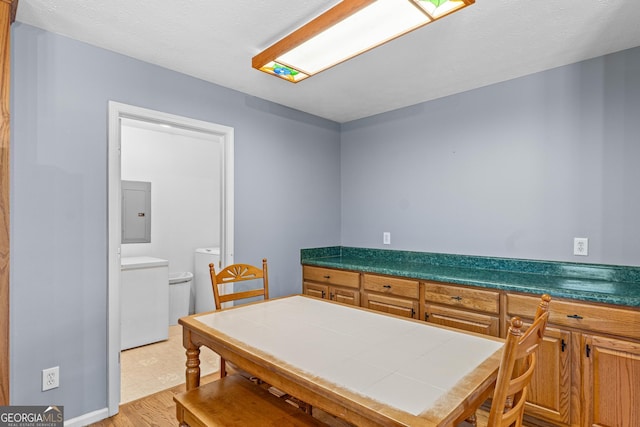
346 30
382 21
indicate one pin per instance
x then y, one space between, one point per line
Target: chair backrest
516 368
238 273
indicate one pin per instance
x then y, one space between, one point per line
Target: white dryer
202 280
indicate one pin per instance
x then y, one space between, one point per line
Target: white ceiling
214 40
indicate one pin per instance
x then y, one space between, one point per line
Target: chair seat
236 401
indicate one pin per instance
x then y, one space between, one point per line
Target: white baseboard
86 419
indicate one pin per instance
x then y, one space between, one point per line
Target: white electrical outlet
50 378
386 238
581 246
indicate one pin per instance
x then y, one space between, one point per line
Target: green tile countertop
609 284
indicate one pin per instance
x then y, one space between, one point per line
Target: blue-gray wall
287 196
516 169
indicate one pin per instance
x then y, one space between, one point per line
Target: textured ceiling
214 40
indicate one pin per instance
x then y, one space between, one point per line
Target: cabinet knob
386 286
457 298
575 316
327 277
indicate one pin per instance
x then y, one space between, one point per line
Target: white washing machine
202 280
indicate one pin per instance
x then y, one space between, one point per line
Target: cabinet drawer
463 297
596 318
332 277
392 286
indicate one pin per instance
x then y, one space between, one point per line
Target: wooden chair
237 273
236 400
516 369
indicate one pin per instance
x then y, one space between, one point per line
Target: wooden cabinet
611 381
588 371
391 295
604 374
470 309
336 285
550 388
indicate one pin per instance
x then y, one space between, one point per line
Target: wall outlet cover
50 378
581 246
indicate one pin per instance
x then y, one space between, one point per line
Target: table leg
193 367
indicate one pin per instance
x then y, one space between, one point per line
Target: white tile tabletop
404 364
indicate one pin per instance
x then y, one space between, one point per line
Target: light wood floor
156 410
155 367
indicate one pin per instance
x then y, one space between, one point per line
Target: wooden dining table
366 367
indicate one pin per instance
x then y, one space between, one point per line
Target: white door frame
116 112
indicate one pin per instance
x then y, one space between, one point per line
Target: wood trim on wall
8 9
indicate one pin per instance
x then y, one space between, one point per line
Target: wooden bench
235 401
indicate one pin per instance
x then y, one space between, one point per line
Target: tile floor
156 367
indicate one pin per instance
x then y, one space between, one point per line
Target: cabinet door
473 322
316 290
549 394
611 389
398 306
345 295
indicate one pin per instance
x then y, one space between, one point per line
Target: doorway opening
122 120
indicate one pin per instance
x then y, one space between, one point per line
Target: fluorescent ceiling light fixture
346 30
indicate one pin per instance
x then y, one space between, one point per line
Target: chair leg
223 368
